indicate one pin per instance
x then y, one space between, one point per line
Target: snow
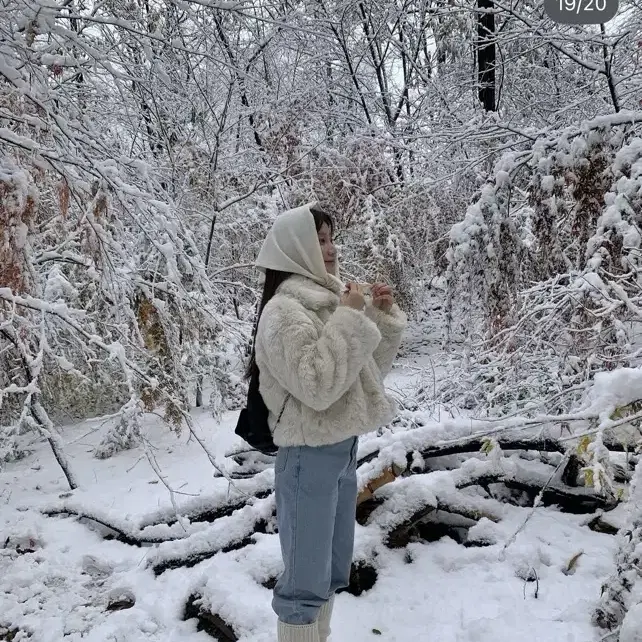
548 183
59 573
63 61
9 136
58 287
20 238
467 595
632 626
612 390
502 178
60 564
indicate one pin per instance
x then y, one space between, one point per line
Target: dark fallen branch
599 525
569 501
402 510
469 512
400 536
245 474
366 508
211 623
573 475
532 478
137 537
189 561
113 531
428 531
363 577
418 526
572 471
474 445
434 527
221 507
212 514
231 533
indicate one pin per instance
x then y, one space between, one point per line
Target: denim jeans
316 498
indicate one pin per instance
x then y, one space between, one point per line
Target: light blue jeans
316 499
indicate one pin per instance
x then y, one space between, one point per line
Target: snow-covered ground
58 574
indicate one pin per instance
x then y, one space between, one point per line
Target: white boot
298 632
324 620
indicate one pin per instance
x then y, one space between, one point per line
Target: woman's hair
321 217
274 278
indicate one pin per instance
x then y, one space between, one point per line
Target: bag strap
287 397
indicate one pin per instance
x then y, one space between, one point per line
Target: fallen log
401 506
213 505
363 577
525 476
211 623
428 525
599 525
388 475
398 511
474 444
138 538
113 531
146 532
226 534
508 442
416 525
212 514
400 536
194 559
578 503
578 500
234 525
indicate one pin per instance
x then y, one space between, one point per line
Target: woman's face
327 248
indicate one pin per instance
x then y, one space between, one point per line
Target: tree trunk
199 392
486 55
608 71
48 430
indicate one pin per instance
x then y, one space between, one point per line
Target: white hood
292 245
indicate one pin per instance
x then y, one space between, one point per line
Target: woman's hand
353 298
382 297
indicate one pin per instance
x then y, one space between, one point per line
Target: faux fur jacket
324 364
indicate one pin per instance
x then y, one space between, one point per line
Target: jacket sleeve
391 325
316 367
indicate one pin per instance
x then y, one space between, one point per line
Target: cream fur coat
331 359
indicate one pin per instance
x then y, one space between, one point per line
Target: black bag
252 425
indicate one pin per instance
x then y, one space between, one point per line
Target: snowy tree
104 288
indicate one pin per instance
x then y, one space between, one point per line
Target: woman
322 354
